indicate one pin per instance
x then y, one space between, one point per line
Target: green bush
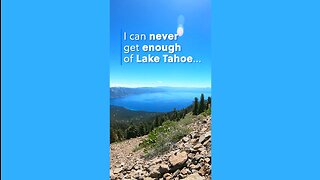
162 138
207 112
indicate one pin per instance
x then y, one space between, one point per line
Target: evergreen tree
132 132
113 136
119 134
141 129
175 115
195 106
202 105
185 112
208 103
161 120
156 122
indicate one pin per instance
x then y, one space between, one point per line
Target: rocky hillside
189 158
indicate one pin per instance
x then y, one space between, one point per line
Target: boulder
178 160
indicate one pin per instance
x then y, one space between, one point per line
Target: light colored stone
117 170
185 139
184 171
197 146
201 149
202 171
179 159
194 134
206 142
190 155
157 160
193 141
208 134
148 178
195 167
154 171
202 138
167 176
194 176
181 176
112 176
198 157
136 167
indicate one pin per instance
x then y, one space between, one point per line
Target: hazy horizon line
160 86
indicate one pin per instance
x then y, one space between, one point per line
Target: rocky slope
189 159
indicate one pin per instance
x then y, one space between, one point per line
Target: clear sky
162 16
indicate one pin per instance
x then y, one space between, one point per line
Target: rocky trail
189 159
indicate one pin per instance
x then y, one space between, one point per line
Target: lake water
159 101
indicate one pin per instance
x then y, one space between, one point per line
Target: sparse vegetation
126 124
162 138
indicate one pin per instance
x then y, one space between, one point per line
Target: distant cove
162 101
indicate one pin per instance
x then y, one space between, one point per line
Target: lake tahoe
158 101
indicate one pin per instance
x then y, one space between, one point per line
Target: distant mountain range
117 92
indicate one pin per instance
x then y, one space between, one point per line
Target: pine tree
185 112
175 115
195 106
161 120
119 134
113 136
202 105
208 103
132 132
156 122
141 129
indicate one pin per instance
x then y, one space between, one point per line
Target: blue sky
161 16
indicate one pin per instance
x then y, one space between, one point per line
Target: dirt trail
122 153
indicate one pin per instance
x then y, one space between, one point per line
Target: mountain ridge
118 92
